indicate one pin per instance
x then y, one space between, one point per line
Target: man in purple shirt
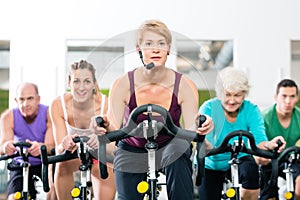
31 123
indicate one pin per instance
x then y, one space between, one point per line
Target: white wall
37 31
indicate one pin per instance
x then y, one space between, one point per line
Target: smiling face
232 101
82 85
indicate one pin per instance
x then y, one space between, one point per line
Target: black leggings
15 184
174 159
212 182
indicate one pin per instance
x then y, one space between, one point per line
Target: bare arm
188 98
118 99
49 138
7 133
58 124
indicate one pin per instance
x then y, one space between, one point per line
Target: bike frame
84 192
236 148
288 157
149 129
23 152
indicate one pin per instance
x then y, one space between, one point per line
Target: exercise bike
23 152
288 157
231 185
149 128
84 190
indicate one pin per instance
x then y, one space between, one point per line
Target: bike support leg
83 184
289 180
25 180
235 179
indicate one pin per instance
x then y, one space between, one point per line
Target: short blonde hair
233 80
155 26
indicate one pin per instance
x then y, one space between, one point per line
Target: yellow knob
142 187
75 192
18 195
288 195
230 192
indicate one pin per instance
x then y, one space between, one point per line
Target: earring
168 53
94 90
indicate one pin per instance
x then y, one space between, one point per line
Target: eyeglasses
151 44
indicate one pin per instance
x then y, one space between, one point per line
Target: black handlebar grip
44 159
102 157
202 119
100 121
275 170
279 143
200 161
102 150
22 144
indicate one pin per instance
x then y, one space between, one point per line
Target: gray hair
21 85
233 80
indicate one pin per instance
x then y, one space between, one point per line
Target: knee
11 197
64 168
249 194
297 185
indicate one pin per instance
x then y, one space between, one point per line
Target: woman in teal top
230 112
248 118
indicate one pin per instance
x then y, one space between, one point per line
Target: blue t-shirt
249 119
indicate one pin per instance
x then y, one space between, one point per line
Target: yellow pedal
75 192
230 193
18 195
288 195
142 187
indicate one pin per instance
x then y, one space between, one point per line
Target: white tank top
82 132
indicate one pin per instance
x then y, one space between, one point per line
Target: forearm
264 145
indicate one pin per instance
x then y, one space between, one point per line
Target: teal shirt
249 119
273 127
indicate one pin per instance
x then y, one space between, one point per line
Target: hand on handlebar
98 125
93 141
206 127
273 144
9 148
68 144
34 150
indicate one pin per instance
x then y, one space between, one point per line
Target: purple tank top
35 131
174 110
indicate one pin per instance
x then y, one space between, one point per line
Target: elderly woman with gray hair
230 111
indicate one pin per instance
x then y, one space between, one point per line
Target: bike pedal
17 195
75 192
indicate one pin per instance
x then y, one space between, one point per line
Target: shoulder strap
177 81
131 81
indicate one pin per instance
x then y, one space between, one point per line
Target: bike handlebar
132 129
66 155
253 150
282 157
285 154
17 144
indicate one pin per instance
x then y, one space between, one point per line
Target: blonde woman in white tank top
73 114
